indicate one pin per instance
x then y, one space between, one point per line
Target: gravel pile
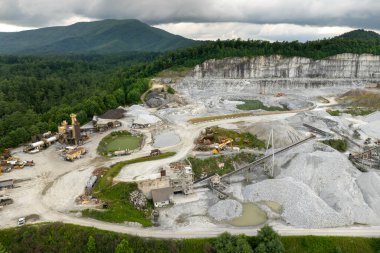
369 183
301 206
372 117
372 129
226 210
284 134
315 165
315 118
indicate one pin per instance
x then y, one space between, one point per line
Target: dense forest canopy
37 93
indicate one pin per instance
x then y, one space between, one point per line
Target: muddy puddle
252 216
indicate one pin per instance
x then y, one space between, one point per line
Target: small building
162 197
147 186
6 184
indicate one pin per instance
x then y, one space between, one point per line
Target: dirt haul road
45 196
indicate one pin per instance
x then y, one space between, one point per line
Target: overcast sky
205 19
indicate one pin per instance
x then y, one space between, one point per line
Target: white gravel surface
331 176
369 183
372 129
75 181
301 206
226 210
372 117
166 140
284 134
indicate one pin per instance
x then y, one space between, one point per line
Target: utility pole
270 140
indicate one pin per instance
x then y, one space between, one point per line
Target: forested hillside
36 93
102 37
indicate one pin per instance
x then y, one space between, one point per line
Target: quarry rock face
278 73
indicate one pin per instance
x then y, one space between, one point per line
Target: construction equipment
5 200
222 145
155 152
75 153
40 145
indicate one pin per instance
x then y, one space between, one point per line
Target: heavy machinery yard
262 167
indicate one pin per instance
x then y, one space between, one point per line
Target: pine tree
227 243
91 244
268 241
123 247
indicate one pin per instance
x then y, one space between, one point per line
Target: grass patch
119 140
354 111
364 99
175 71
210 165
317 244
219 117
257 105
117 196
119 209
241 140
338 144
359 111
333 112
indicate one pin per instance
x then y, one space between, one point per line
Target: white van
21 221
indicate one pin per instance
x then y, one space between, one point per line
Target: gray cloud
39 13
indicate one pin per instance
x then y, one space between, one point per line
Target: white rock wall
268 74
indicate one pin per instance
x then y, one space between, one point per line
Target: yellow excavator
222 145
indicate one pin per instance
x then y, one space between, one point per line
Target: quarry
239 143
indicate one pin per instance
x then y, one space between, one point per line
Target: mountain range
108 37
105 36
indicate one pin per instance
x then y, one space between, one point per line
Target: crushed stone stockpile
141 115
301 206
372 129
283 134
317 119
369 183
372 117
331 176
226 210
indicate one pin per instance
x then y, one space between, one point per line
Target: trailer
121 152
6 184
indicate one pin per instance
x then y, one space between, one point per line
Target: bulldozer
222 145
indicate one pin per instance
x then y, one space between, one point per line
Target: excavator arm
222 145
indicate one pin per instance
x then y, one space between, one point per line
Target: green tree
2 248
123 247
91 244
227 243
268 241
